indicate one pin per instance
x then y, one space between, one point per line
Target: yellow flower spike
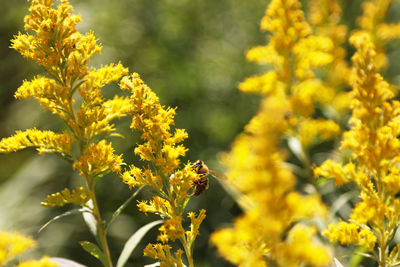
13 244
171 230
264 84
163 255
300 247
44 262
374 143
313 51
325 16
373 21
351 233
45 141
98 158
161 149
332 169
195 225
314 131
78 196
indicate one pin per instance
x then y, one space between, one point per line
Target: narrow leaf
63 262
95 251
67 213
90 220
133 241
123 206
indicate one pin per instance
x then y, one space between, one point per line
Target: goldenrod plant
53 42
71 89
172 186
373 165
272 231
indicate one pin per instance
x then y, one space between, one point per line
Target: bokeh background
192 54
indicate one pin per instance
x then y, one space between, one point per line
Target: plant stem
187 251
382 245
100 226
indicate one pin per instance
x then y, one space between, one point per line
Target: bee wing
218 175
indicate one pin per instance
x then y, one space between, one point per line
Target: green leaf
95 251
90 220
358 256
123 206
133 241
67 213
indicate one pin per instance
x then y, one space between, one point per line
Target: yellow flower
373 22
374 164
163 254
97 159
13 244
44 262
173 187
351 233
325 16
45 141
78 196
267 233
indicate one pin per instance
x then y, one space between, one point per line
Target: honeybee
203 171
201 184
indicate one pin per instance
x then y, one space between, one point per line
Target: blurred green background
192 54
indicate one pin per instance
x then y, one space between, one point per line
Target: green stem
187 251
382 250
100 225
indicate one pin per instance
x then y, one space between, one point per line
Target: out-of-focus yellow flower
255 168
325 16
173 187
294 53
43 262
13 244
373 21
373 139
269 232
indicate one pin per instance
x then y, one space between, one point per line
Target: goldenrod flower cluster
271 232
72 90
268 233
293 52
172 186
373 21
13 244
374 163
54 43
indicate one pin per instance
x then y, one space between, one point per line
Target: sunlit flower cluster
54 43
172 186
375 126
71 89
